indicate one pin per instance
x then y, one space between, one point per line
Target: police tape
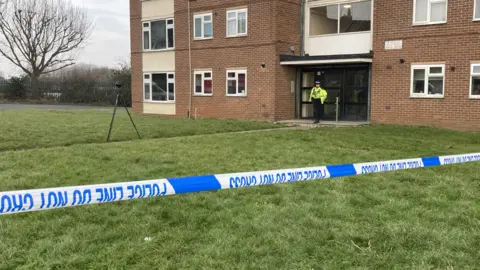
52 198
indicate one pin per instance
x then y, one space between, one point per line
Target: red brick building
436 46
396 61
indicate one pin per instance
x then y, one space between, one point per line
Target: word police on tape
51 198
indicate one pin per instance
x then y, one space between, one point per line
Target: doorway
349 83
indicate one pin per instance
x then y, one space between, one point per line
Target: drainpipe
189 62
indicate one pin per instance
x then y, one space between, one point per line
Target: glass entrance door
349 84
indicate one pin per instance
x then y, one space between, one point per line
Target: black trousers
317 109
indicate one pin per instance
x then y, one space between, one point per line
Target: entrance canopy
295 60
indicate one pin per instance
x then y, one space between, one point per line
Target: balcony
339 28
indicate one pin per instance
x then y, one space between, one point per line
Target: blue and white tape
52 198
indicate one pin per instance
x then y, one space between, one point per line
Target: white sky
110 40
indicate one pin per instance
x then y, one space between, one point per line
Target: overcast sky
110 40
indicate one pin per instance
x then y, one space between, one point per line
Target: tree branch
41 36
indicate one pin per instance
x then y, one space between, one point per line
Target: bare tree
42 36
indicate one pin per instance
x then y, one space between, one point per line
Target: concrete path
50 107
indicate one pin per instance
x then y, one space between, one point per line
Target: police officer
318 95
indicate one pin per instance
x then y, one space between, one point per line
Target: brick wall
288 35
269 94
265 86
451 43
136 54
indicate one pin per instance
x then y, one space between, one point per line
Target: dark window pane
171 76
419 81
146 40
159 87
198 83
324 20
232 87
171 91
147 76
436 70
169 22
355 17
207 86
476 86
231 75
171 39
159 39
241 83
435 86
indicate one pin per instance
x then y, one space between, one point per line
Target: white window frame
236 11
475 3
339 12
427 75
471 81
149 81
149 30
202 17
202 72
429 12
236 71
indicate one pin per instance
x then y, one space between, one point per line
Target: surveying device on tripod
118 101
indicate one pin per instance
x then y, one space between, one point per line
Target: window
203 83
476 11
158 35
237 22
236 82
203 26
428 81
475 81
341 18
159 87
429 11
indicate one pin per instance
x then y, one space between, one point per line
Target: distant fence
79 92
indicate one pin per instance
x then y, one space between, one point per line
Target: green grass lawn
30 128
416 219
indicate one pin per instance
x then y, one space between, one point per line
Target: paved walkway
50 107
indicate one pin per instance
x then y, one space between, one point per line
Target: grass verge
37 128
417 219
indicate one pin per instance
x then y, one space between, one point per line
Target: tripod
117 101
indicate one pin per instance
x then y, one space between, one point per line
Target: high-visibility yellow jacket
318 93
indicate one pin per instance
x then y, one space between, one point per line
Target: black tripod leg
131 119
113 118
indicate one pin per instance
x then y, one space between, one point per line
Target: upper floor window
476 15
203 26
158 35
475 81
341 18
428 81
237 21
430 11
